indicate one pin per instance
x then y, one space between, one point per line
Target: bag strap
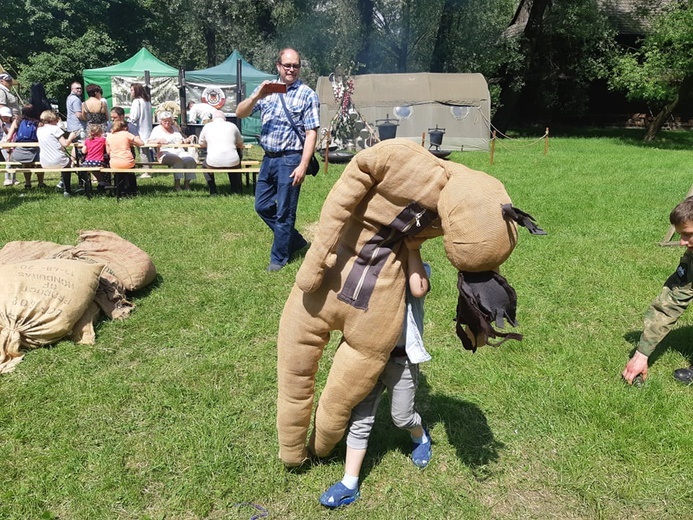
291 121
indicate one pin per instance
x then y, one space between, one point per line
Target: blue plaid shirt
304 106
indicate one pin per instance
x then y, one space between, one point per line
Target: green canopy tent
116 80
217 86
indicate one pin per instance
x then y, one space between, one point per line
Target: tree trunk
661 118
441 48
211 42
658 121
364 56
511 83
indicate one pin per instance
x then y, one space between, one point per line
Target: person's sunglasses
289 66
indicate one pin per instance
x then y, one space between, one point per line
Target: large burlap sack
126 263
41 301
83 332
21 251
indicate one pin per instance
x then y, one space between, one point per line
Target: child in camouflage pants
674 298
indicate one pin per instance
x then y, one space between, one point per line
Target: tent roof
225 72
382 90
136 65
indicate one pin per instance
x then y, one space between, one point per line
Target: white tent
458 103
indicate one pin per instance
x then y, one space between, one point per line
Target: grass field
170 415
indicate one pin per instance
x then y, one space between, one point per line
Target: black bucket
387 128
436 136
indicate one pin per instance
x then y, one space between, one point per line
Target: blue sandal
421 453
339 495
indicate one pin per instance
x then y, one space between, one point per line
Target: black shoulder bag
313 165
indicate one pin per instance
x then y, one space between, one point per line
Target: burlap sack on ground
41 301
125 263
21 251
110 295
83 332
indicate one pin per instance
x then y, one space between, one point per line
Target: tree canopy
553 53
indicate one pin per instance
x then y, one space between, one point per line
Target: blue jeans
276 201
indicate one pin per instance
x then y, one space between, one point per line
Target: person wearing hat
224 144
7 98
5 125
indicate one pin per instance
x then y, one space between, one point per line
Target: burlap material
40 302
126 264
21 251
135 267
83 332
476 236
389 195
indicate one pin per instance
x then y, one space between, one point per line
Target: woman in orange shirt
119 145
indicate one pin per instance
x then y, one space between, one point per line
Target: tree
530 13
555 50
662 68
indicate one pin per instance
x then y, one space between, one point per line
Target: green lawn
171 414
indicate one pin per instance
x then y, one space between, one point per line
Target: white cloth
223 139
52 152
141 117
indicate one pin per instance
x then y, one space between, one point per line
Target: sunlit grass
171 414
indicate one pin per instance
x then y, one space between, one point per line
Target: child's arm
13 130
67 142
416 274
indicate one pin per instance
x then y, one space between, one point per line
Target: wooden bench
243 170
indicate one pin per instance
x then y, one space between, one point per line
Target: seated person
118 114
94 152
224 144
53 145
119 145
174 157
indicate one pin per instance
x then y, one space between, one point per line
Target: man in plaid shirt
287 153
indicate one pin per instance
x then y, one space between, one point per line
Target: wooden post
546 141
327 151
423 138
493 146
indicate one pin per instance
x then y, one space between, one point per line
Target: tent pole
148 83
183 101
239 90
327 150
493 145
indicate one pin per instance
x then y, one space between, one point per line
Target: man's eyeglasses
289 66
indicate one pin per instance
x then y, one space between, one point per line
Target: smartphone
278 88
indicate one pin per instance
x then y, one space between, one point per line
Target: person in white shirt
141 117
53 144
175 157
224 144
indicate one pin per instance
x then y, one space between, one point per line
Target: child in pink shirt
94 150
